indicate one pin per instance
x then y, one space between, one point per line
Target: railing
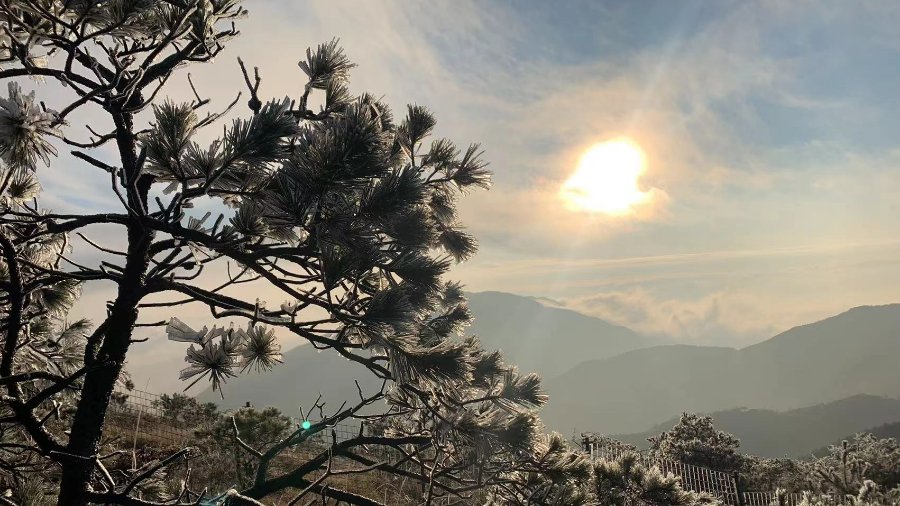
767 498
722 486
786 499
718 484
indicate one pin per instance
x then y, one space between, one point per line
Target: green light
306 425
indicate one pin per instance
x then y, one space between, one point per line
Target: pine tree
864 468
348 214
694 440
627 481
556 475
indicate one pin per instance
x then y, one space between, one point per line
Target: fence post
737 488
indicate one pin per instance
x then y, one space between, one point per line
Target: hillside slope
797 432
856 352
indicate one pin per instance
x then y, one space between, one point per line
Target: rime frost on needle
177 330
24 126
211 358
256 347
261 349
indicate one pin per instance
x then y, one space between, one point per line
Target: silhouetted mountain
542 339
856 352
532 336
797 432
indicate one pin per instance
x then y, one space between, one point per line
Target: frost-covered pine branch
343 215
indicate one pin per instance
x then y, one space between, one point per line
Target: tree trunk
116 333
90 415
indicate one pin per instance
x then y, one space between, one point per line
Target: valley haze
606 378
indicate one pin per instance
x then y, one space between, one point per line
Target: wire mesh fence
335 433
142 414
137 400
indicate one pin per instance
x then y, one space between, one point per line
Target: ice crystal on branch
345 212
24 130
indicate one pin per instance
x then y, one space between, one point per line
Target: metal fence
133 401
784 499
343 431
722 486
140 414
767 498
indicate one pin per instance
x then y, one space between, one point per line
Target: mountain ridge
605 377
798 432
549 340
854 352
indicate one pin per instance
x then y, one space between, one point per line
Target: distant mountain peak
545 339
844 356
505 300
879 319
796 432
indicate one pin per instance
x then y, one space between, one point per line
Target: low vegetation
343 217
862 470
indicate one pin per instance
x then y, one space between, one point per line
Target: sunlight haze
772 172
606 179
450 252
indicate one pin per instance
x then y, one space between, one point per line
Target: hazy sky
769 128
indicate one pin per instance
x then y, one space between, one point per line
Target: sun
606 179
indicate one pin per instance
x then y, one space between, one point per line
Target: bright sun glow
606 179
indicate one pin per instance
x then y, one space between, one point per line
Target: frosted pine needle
24 127
260 349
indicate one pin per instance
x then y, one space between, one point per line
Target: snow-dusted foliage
694 440
342 215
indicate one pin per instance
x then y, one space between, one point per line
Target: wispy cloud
729 298
768 126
